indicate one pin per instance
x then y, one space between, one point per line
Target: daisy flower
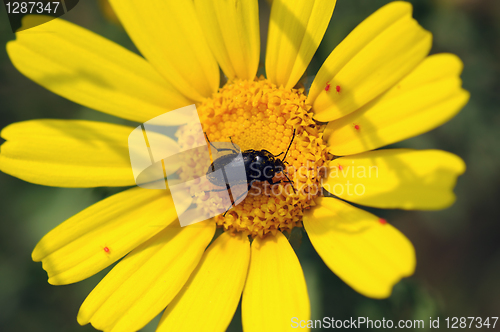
378 87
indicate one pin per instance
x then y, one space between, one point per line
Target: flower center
260 116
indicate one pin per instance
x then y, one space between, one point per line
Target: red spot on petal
382 221
357 127
327 88
106 249
340 167
338 88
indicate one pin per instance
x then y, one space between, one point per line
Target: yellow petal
376 55
423 100
232 31
396 178
275 291
69 153
364 251
90 70
140 286
210 297
103 233
168 34
295 32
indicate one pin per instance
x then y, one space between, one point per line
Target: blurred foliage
458 253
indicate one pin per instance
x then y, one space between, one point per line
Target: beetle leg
289 146
233 143
211 191
290 181
234 202
281 181
215 190
210 142
219 150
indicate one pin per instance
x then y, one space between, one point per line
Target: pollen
258 115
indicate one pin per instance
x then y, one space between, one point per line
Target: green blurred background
458 252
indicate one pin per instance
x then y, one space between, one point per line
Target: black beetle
259 166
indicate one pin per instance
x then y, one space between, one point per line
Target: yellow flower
379 86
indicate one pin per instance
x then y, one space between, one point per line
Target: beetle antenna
289 145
